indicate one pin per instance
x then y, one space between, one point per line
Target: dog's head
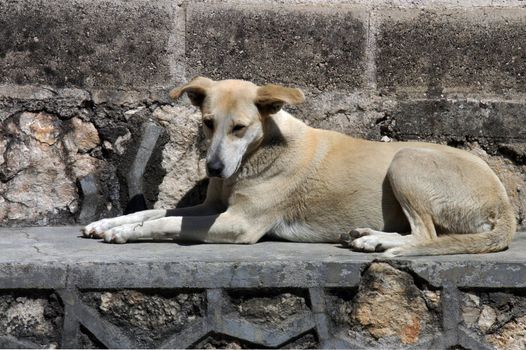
234 116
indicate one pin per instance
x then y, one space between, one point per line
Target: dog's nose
215 167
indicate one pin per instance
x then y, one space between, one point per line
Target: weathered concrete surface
315 47
120 45
94 264
467 51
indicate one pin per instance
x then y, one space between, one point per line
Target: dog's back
354 183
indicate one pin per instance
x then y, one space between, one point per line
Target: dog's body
273 174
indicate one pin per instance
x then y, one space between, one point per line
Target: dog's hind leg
455 194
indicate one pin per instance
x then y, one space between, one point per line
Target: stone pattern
31 318
147 317
390 307
389 304
500 317
82 84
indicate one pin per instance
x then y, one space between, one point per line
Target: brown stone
511 336
41 126
38 185
82 138
388 303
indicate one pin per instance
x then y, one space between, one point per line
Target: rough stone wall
84 113
391 307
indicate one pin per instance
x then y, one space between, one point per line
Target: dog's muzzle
214 168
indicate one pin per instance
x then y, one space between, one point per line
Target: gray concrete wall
58 290
83 88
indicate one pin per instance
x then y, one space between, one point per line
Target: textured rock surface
389 305
148 316
465 51
183 157
106 45
318 47
499 317
37 175
269 309
36 318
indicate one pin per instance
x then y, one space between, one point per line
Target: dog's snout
215 167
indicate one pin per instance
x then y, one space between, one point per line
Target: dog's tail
495 240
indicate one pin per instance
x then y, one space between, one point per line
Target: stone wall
85 115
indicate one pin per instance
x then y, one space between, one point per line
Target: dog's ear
270 98
196 90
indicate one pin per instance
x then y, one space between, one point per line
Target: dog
270 173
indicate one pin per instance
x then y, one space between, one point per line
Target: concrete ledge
271 294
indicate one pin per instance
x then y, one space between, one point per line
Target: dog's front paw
96 229
119 234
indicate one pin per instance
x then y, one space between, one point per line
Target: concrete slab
51 257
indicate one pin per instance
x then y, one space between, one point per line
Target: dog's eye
209 123
238 127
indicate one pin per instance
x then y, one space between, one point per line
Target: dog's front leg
221 228
97 228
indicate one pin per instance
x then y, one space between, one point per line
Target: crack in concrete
35 242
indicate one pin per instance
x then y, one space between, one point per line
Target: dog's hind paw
347 238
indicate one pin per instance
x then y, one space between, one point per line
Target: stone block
302 46
100 44
389 305
472 50
465 119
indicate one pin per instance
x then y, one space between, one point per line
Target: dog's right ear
196 90
270 98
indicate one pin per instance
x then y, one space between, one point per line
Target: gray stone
90 200
307 46
150 134
148 317
356 114
435 52
269 310
36 318
43 157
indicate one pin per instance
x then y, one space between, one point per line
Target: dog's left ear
196 90
270 98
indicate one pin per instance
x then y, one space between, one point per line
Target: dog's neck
265 159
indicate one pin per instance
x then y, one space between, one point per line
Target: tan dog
272 174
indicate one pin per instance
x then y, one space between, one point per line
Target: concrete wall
84 111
